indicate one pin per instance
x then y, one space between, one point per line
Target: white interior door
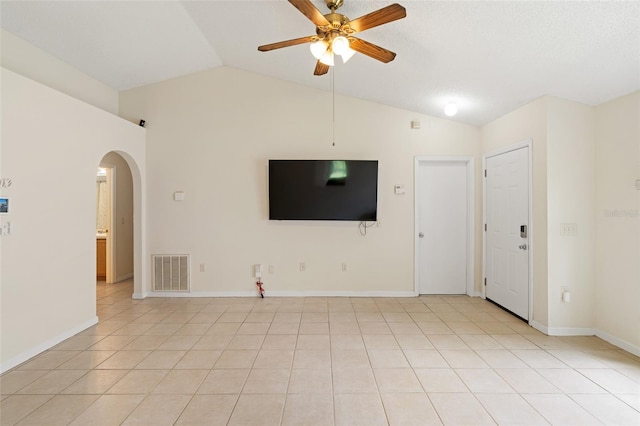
442 227
507 235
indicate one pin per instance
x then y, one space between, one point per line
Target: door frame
469 163
111 222
528 144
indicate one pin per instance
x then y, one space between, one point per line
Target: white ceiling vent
171 272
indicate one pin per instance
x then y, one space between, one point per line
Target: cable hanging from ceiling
333 107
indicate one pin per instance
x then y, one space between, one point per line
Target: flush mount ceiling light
450 109
334 33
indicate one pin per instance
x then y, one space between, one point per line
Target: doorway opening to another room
104 190
114 220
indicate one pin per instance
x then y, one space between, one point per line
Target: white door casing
444 225
508 230
111 223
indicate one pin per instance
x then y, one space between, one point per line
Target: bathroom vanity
101 257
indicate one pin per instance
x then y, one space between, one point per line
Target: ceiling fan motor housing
338 26
336 20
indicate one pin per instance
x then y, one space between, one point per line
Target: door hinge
485 227
485 282
485 172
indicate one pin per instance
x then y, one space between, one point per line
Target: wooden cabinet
101 259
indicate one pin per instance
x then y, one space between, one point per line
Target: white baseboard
201 294
571 331
578 331
540 327
277 294
562 331
342 294
26 355
623 344
381 293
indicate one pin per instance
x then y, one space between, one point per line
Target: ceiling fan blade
371 50
321 69
310 11
286 43
379 17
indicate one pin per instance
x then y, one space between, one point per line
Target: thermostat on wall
398 189
4 205
178 196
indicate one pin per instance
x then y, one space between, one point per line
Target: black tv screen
323 190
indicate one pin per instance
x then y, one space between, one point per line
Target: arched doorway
114 220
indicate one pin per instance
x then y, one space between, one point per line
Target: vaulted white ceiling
488 56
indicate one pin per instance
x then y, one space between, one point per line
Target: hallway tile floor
451 360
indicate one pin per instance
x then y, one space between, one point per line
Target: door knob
421 235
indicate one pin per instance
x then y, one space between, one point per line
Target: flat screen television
323 190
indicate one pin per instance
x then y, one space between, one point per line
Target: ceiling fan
334 33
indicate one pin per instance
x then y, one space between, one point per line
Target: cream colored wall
585 162
123 221
571 199
48 263
28 60
618 221
529 122
211 135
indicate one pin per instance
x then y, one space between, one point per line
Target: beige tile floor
319 361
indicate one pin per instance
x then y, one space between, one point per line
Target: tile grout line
580 346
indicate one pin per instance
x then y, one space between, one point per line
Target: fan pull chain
333 106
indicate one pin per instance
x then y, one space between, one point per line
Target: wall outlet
272 269
5 229
568 229
344 267
257 270
303 266
202 267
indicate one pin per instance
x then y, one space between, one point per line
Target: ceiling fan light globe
327 58
318 49
348 54
340 45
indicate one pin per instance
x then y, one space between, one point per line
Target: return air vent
171 272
